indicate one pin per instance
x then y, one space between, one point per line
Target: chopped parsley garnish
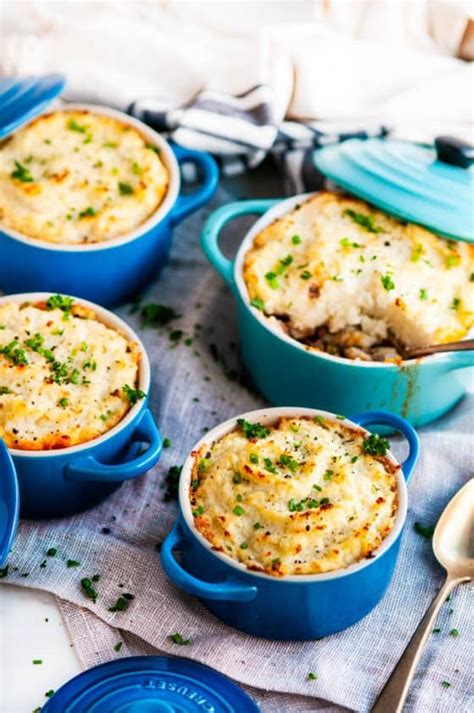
257 526
238 510
288 462
347 243
237 478
436 631
252 430
271 278
88 589
203 463
445 684
178 639
133 395
311 676
49 694
253 458
423 294
60 302
125 189
387 282
296 240
305 504
319 419
63 402
21 173
37 662
5 390
166 443
4 571
365 221
155 149
122 603
88 212
455 303
257 303
244 546
284 262
14 354
52 552
354 459
118 646
35 343
375 445
471 277
328 475
305 275
198 511
425 531
154 314
72 125
269 465
72 563
454 632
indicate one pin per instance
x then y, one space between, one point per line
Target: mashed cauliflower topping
76 177
341 276
302 496
65 377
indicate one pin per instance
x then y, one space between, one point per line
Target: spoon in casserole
417 352
453 546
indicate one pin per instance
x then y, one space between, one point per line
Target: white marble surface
32 628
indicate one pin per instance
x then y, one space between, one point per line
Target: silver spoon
462 346
453 545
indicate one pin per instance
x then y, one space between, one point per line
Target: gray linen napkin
195 386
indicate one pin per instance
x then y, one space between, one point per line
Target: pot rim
172 192
144 375
269 415
274 212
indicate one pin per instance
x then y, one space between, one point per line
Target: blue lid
9 502
150 684
21 99
432 186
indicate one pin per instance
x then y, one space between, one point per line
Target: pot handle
187 204
89 469
227 590
400 424
215 223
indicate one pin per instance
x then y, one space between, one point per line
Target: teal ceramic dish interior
287 373
56 483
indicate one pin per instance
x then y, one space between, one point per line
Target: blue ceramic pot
112 271
61 482
295 607
287 373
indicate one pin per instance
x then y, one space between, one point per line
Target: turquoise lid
24 98
9 502
150 684
429 185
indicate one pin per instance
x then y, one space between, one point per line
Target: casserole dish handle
389 419
227 590
187 204
89 469
215 223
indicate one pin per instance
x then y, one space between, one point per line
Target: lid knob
454 151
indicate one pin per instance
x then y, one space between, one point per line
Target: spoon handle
394 693
462 346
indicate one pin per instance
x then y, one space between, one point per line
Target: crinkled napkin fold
195 386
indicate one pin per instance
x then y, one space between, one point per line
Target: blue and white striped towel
240 131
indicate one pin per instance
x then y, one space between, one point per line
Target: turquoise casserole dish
286 373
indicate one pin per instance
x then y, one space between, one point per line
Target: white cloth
341 65
191 391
